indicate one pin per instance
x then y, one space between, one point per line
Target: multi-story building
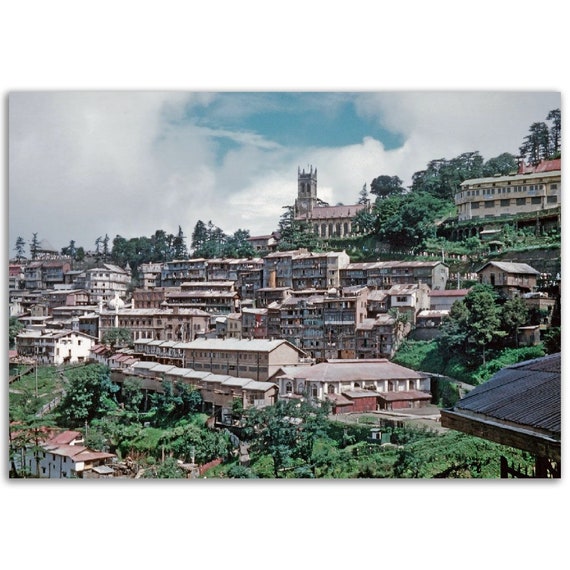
532 189
104 282
301 323
342 313
257 359
384 274
150 275
378 378
39 275
254 323
301 269
409 300
16 277
151 298
269 295
173 323
55 346
513 279
214 297
176 272
378 337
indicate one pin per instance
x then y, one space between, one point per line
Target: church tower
306 192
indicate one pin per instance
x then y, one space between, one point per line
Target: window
552 199
521 201
490 204
505 202
475 205
536 200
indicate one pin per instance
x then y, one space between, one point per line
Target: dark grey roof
526 394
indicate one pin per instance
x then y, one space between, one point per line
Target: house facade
513 279
530 190
63 457
55 346
372 378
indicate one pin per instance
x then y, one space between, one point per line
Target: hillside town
284 325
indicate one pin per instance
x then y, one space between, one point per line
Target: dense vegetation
161 431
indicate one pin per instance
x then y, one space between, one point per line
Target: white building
52 346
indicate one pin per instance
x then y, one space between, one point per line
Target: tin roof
511 267
525 394
352 370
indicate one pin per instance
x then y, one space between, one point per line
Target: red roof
65 437
407 395
543 166
328 212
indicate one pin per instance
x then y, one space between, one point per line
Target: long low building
385 385
217 390
257 358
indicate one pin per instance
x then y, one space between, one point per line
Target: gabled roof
511 267
327 212
351 370
520 406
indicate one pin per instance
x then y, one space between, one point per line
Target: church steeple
306 192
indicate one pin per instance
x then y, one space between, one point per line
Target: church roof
334 212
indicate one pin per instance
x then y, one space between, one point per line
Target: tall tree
484 321
179 245
89 394
199 235
105 247
442 178
20 248
34 246
503 164
70 250
536 145
555 132
287 432
384 186
514 314
237 245
363 195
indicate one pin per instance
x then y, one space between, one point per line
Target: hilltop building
532 189
327 221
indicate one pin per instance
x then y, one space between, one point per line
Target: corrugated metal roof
352 370
527 394
511 267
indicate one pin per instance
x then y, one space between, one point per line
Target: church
327 221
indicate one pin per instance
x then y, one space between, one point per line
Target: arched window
289 388
314 391
323 230
331 389
346 230
338 229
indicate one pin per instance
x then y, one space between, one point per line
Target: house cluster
321 303
258 372
62 456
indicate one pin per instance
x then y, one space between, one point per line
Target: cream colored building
522 193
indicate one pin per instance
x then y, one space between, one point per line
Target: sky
88 163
